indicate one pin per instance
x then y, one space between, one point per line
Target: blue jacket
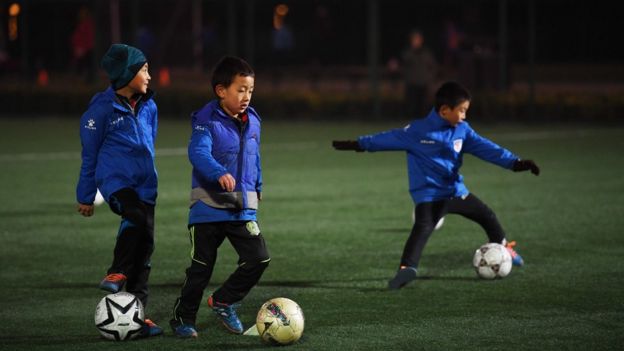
218 146
118 148
435 151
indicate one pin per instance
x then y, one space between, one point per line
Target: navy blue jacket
435 152
118 148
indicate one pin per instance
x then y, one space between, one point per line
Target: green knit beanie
122 62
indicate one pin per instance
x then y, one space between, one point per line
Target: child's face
455 115
235 98
140 82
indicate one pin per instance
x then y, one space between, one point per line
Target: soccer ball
99 199
437 226
280 321
492 261
119 316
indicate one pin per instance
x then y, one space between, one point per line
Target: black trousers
205 241
429 213
135 241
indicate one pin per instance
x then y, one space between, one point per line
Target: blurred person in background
82 43
419 68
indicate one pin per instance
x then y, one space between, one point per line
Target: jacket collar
121 105
214 108
436 120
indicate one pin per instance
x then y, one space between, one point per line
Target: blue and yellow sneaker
113 282
228 316
516 259
150 329
404 275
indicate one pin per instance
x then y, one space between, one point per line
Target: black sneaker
405 275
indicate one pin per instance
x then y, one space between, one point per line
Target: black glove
525 165
347 145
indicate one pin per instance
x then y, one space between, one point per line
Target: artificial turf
335 224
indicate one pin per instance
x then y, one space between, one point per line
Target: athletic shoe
404 275
228 316
185 331
151 329
516 259
113 282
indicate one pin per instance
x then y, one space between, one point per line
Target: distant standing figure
419 69
82 43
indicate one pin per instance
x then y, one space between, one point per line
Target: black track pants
428 213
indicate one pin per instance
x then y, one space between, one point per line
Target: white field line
182 151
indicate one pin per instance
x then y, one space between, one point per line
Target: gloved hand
347 145
525 165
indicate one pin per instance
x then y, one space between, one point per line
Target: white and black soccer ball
280 321
492 261
119 316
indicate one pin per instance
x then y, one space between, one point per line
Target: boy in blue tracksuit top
117 134
435 147
226 188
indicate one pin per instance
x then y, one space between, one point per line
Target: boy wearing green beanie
117 134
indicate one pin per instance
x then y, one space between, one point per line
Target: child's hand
85 210
227 182
525 165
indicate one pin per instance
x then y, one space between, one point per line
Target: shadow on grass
47 340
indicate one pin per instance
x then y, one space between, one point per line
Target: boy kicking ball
435 146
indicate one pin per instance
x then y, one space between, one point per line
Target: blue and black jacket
118 147
221 144
435 151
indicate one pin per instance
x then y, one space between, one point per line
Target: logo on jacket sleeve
457 145
90 124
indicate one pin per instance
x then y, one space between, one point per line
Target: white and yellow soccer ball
280 321
119 316
492 261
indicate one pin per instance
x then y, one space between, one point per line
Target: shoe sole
231 330
402 277
110 289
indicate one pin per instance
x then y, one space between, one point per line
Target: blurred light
43 78
164 78
281 10
14 10
12 28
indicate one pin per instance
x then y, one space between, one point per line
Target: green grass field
335 223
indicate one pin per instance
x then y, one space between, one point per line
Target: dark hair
451 94
227 69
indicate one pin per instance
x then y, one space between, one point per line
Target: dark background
578 46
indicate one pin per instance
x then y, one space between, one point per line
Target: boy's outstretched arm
525 165
347 145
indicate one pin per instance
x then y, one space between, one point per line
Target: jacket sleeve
154 121
488 150
259 180
93 127
395 139
200 155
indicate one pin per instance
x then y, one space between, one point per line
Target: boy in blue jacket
435 146
226 187
117 134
